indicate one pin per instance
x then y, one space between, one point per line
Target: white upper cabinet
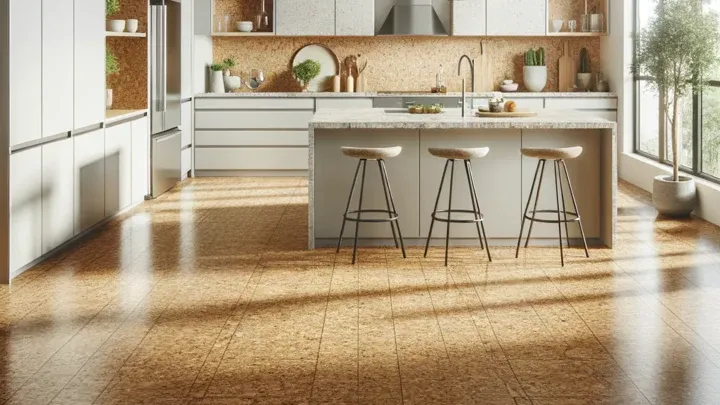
58 193
186 47
89 63
516 17
25 71
469 17
57 66
305 17
355 17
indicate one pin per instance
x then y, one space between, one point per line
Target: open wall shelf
126 34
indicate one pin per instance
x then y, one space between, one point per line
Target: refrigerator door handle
156 61
163 55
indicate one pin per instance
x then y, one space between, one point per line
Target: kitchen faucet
472 81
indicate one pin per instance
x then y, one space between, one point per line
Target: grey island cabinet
503 177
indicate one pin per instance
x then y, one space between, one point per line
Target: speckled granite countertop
400 94
379 118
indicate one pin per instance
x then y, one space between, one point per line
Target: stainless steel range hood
413 17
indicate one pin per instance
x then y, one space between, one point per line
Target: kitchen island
503 178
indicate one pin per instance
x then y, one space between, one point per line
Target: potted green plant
584 75
535 71
111 68
216 79
306 71
112 7
679 45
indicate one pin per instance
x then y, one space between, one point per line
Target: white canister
131 25
217 84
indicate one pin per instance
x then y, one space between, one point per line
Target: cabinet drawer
252 119
252 138
254 103
581 103
251 158
340 103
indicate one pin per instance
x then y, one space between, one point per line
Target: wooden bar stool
558 156
464 154
379 155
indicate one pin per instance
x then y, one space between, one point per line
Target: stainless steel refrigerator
165 81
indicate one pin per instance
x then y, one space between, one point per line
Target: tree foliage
676 49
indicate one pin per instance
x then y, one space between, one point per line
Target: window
699 152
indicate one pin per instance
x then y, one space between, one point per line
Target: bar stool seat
552 153
371 153
459 153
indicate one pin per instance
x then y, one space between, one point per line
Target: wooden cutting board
516 114
566 70
483 71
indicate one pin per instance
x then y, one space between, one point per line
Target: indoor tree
675 50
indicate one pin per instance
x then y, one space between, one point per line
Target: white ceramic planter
217 83
115 25
131 25
583 81
674 198
535 78
108 99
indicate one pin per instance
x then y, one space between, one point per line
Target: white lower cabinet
57 194
185 163
118 168
89 201
25 208
140 160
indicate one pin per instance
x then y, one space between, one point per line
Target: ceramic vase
535 78
131 25
216 82
583 81
232 83
108 99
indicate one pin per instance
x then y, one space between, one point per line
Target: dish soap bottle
440 82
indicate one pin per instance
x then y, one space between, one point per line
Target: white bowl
131 25
509 88
115 25
508 81
557 25
245 26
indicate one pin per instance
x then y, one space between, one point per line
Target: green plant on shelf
111 64
306 71
535 58
112 7
229 63
217 67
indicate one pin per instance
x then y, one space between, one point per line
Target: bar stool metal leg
562 200
468 169
447 233
537 199
575 207
437 201
527 207
556 169
387 202
347 207
392 203
357 224
476 208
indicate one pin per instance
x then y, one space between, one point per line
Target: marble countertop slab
409 94
112 116
379 118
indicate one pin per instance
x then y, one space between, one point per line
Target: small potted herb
216 80
306 71
111 68
112 7
231 82
535 71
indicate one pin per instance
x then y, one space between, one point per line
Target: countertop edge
123 115
402 95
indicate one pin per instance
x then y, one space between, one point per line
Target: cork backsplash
130 86
400 63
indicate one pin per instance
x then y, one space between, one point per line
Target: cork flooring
207 296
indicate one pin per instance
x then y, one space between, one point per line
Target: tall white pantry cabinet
52 98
